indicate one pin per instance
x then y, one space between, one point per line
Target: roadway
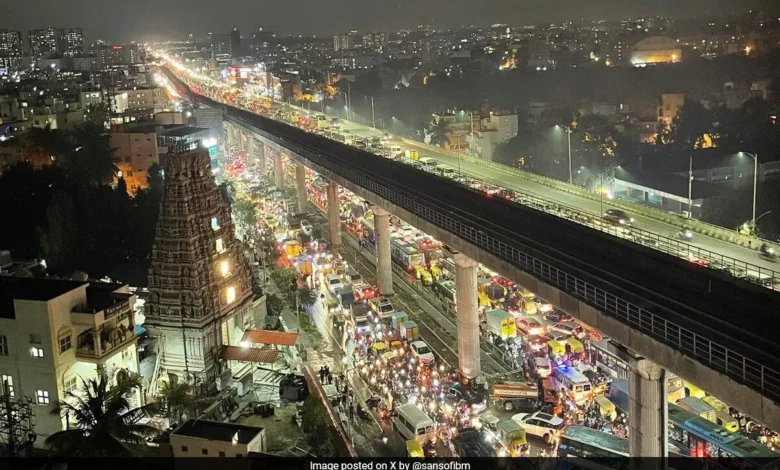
514 180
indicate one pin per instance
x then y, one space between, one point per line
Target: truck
618 394
501 324
292 248
412 155
346 297
512 438
409 330
516 396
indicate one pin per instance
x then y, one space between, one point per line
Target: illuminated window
215 223
224 268
219 245
36 352
43 397
8 383
230 295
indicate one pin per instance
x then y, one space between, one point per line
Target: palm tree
106 424
438 133
176 399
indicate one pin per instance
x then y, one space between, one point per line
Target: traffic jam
562 376
564 388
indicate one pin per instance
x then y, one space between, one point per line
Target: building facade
203 438
199 283
42 42
70 41
11 49
135 153
54 334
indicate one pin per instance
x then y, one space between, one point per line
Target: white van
413 423
576 386
396 151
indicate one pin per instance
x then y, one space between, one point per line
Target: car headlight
632 220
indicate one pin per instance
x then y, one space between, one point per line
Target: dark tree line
66 209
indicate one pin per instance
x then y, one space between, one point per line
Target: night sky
125 20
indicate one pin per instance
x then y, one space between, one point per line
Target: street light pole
373 116
690 187
568 134
754 156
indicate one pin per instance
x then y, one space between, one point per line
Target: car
536 343
473 396
333 282
306 227
354 278
570 328
556 316
539 424
422 352
617 216
542 366
554 335
362 325
382 306
530 326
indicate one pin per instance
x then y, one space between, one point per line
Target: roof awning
270 337
259 355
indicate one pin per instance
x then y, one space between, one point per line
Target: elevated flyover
705 326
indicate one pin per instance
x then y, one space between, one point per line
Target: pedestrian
330 378
322 374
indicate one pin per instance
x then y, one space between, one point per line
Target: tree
306 296
692 123
274 305
107 425
438 133
92 160
59 237
315 426
286 281
98 114
176 399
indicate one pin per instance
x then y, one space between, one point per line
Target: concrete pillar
278 171
241 140
250 151
300 186
334 214
260 153
647 411
384 267
468 317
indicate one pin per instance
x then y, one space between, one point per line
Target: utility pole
16 422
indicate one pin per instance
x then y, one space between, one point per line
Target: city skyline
142 20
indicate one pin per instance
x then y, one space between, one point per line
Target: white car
422 352
539 424
333 283
543 367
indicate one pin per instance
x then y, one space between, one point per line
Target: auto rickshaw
484 300
606 407
693 391
414 449
435 272
556 349
423 275
380 347
575 349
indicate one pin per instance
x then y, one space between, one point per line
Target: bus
697 437
406 255
579 444
608 362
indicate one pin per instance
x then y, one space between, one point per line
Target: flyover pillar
384 268
250 151
278 171
468 317
260 152
647 411
300 186
334 213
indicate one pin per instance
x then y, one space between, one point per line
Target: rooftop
259 355
25 288
270 337
216 431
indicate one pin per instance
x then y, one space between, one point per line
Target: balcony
96 344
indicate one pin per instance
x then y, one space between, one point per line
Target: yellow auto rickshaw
435 272
556 349
380 347
414 449
693 391
423 275
606 407
484 300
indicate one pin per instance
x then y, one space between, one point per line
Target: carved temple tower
200 286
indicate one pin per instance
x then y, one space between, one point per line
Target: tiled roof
270 337
235 353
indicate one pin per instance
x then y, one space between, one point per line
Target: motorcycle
767 251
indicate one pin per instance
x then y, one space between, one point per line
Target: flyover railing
707 352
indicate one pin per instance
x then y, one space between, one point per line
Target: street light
568 133
373 116
754 156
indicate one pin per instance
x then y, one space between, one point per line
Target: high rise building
11 49
235 43
43 42
70 41
347 41
221 47
199 283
